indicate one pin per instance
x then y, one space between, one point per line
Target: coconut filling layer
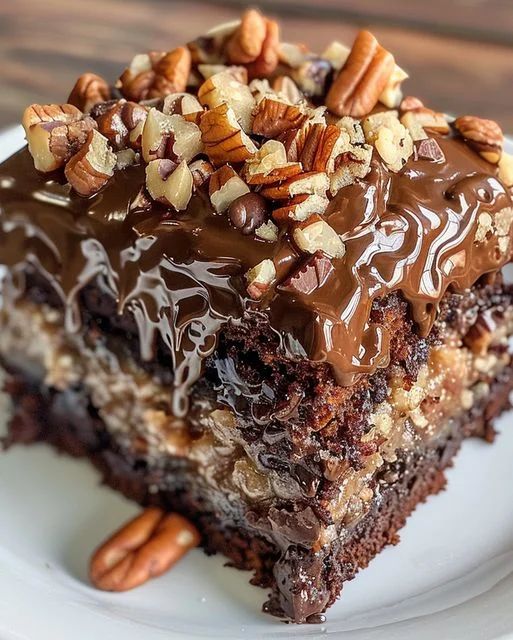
136 410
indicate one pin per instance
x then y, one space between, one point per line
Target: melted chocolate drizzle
182 275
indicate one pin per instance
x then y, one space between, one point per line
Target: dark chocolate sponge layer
68 422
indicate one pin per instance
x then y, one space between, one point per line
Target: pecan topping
223 137
90 169
224 187
270 165
246 43
201 171
146 547
155 74
55 133
260 278
392 139
274 117
301 207
171 137
484 136
171 73
254 43
314 182
89 89
316 235
223 88
362 79
169 184
122 124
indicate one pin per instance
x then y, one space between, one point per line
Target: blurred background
459 53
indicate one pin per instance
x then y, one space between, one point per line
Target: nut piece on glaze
89 90
91 168
248 212
362 79
484 136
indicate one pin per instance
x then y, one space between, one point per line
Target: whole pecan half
89 90
146 547
255 43
356 89
484 136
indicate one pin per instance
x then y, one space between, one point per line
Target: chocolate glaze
182 275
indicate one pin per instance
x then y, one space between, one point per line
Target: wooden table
459 52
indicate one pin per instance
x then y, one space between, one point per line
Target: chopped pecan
91 168
391 139
410 103
274 117
155 74
350 166
300 208
322 146
89 89
171 73
270 165
169 184
183 104
420 120
41 113
362 79
260 278
336 54
316 235
171 137
391 96
310 275
287 89
201 171
223 137
484 136
267 231
311 76
224 187
122 124
238 72
314 182
146 547
126 158
223 88
208 49
55 133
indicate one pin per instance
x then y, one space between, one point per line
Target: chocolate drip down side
431 226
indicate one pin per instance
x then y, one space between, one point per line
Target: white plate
450 577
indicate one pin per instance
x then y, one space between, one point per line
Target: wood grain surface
459 53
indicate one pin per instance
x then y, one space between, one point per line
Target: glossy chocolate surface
182 275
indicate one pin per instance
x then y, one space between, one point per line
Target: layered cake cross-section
258 286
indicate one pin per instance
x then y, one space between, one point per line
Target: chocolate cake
260 287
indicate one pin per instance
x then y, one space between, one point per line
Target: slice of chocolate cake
257 286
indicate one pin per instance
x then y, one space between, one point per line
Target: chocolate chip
429 149
311 275
248 212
